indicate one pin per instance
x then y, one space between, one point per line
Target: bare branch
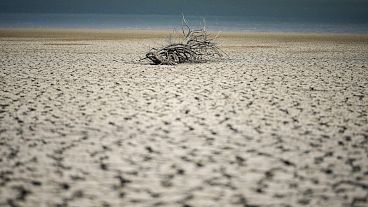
195 47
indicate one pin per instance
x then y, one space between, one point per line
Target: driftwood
196 46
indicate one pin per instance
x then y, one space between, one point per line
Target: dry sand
282 122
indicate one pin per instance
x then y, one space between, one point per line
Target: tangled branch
196 46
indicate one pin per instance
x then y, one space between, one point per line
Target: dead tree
196 46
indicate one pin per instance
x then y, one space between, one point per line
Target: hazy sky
319 10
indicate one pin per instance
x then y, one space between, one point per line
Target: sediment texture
280 123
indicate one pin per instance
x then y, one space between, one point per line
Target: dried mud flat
283 122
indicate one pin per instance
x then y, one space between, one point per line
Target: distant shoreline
122 34
171 22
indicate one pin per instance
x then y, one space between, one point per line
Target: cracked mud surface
282 123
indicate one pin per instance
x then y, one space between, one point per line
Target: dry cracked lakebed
280 123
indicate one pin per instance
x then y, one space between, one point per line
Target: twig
195 47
